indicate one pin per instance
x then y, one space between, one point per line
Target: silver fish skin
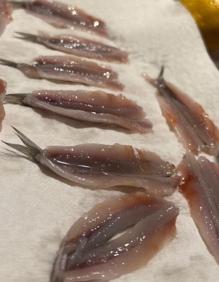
100 166
114 238
200 186
186 118
96 107
63 16
78 46
69 69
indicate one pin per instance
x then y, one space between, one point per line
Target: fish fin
21 149
29 149
26 36
155 81
161 74
15 98
8 63
26 140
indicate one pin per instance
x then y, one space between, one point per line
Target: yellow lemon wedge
206 14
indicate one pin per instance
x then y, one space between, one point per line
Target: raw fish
114 238
200 187
89 106
104 166
69 69
186 118
78 46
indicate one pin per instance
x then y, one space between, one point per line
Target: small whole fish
89 106
91 251
63 16
78 46
69 69
2 94
200 187
5 14
100 166
186 118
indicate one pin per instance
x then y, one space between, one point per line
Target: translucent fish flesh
78 46
200 187
63 16
89 106
69 69
2 94
104 166
187 118
5 14
114 238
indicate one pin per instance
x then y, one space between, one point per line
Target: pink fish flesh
89 106
100 166
116 237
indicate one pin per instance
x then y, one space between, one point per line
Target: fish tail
155 81
161 74
9 63
14 98
29 149
27 36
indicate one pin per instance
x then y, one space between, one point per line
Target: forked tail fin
29 149
9 63
155 81
14 98
26 36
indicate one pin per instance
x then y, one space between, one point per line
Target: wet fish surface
5 14
78 46
200 187
63 16
88 106
186 118
116 237
69 69
2 94
100 166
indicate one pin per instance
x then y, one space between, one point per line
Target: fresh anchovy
104 166
78 46
89 106
63 16
187 118
5 14
2 94
91 251
200 187
69 69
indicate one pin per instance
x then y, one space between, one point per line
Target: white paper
36 210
